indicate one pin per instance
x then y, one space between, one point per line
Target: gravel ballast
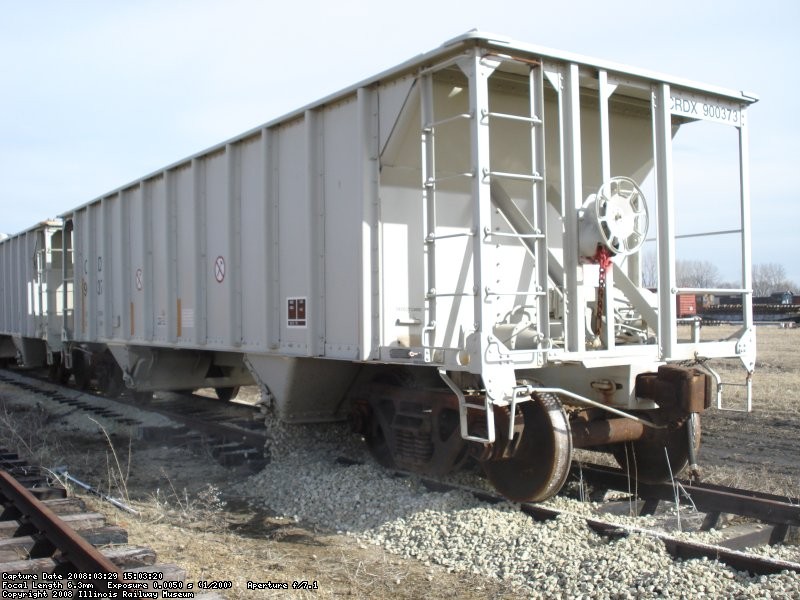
562 557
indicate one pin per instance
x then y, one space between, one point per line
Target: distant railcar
447 253
686 305
31 293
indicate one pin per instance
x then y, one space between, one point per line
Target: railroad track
227 430
678 548
234 439
50 542
710 504
769 518
714 503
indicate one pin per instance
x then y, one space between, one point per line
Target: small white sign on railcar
219 269
296 312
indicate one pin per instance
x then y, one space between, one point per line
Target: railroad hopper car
31 272
447 254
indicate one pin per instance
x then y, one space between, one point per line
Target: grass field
759 450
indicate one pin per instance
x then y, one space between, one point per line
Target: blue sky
96 94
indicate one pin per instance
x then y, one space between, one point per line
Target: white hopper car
448 253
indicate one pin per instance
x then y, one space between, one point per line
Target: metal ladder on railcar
68 282
531 233
39 268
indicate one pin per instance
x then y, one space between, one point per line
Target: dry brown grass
257 547
757 450
29 431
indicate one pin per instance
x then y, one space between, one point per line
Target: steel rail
84 557
707 498
679 548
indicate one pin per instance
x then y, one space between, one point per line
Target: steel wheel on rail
63 374
57 371
109 376
376 438
52 368
378 413
81 369
540 465
659 459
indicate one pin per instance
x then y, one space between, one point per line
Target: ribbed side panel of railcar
254 246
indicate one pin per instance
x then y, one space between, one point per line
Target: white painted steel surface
206 255
32 291
429 215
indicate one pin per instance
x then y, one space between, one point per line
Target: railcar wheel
109 376
110 384
54 368
654 460
540 465
82 370
375 436
226 394
402 414
63 374
57 371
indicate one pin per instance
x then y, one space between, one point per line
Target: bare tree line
768 278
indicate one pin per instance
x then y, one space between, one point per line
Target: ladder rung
431 181
432 237
429 127
537 235
435 294
489 292
520 176
510 117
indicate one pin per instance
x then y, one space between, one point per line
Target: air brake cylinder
615 218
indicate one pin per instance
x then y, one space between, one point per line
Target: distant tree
696 274
769 278
649 270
